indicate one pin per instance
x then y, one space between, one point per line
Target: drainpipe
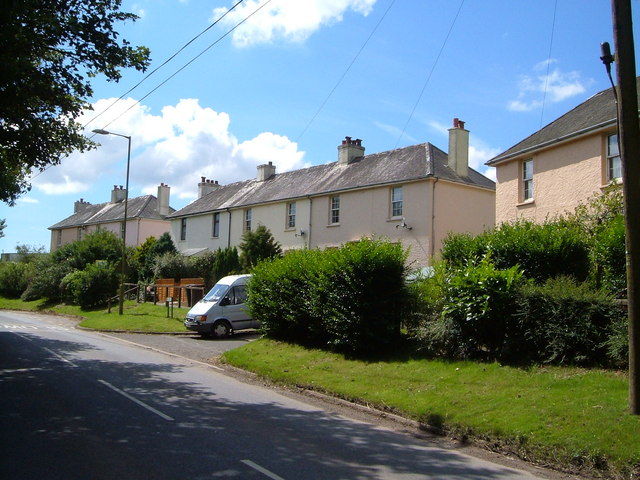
229 229
309 229
433 219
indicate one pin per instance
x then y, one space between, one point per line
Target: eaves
554 142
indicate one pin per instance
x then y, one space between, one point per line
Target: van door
235 309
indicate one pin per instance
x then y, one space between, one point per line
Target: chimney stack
459 148
80 205
350 150
206 186
265 172
117 194
163 199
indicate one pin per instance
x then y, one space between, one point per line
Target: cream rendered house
146 217
414 195
561 165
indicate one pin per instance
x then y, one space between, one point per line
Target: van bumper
195 326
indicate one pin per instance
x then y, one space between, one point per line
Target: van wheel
221 329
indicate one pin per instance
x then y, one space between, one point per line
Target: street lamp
100 131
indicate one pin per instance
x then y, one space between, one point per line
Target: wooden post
629 142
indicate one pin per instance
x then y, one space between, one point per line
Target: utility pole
629 142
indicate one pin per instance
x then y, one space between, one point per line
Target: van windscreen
216 293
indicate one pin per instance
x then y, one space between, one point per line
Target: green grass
569 417
139 317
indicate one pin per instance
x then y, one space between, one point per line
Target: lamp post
124 225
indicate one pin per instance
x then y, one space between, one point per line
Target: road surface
84 405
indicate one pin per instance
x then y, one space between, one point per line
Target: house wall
138 230
461 209
563 177
363 212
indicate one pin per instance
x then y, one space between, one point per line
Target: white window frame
397 200
183 229
215 225
614 161
527 179
291 215
334 210
248 214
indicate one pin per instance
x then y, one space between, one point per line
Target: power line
146 77
191 61
344 74
435 63
546 78
175 73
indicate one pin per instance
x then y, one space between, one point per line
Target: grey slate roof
596 112
137 207
401 165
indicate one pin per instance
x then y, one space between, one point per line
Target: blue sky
297 76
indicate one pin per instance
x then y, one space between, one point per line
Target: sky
286 80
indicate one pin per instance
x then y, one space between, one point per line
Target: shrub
609 257
14 278
282 295
98 245
46 282
226 262
202 266
258 245
541 250
92 286
172 265
565 323
477 302
349 299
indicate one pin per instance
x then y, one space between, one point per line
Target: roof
595 113
400 165
138 207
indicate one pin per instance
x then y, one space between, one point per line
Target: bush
476 304
172 265
226 262
541 251
349 299
258 245
46 282
282 295
202 266
609 257
92 286
566 323
14 278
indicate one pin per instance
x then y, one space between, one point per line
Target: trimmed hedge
542 251
349 299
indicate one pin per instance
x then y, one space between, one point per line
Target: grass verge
138 317
574 419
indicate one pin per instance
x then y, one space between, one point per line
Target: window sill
526 203
333 225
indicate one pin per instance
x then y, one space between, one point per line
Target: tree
49 51
258 245
2 227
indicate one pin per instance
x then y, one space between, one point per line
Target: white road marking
60 357
262 470
19 370
135 400
153 349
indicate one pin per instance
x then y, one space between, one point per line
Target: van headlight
200 318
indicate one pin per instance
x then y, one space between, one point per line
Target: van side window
238 295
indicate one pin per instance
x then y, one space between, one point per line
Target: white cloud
28 200
289 20
558 86
177 147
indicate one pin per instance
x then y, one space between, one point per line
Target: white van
223 310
